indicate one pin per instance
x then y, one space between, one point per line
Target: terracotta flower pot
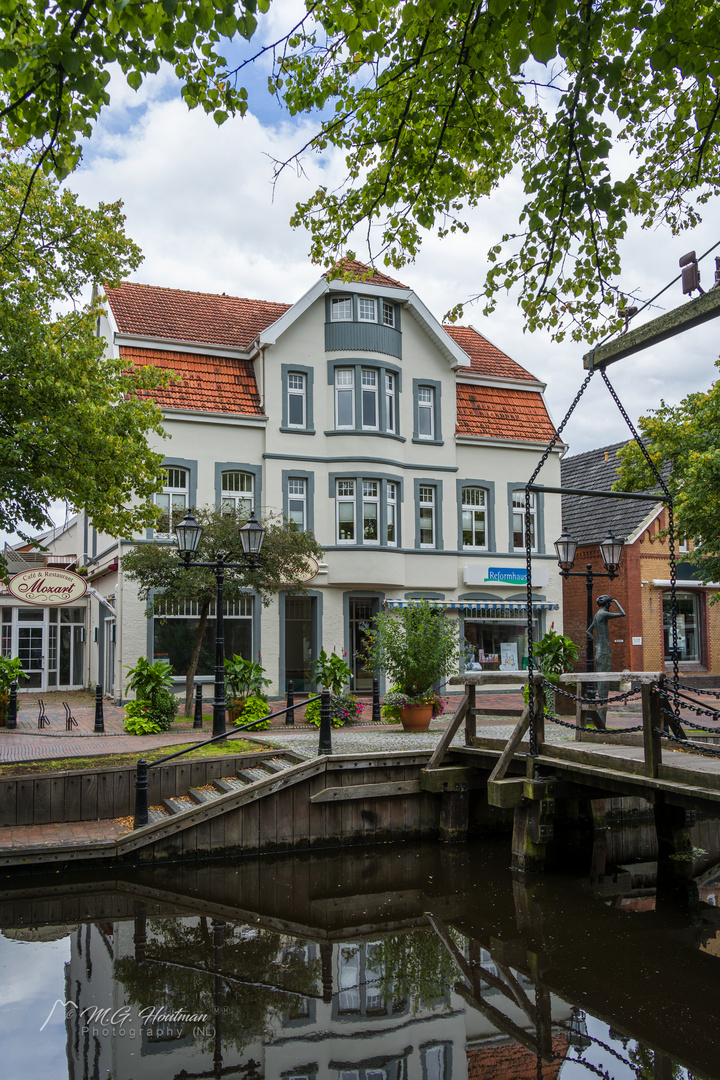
416 717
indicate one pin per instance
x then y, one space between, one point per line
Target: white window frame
519 510
341 309
297 391
371 497
427 498
174 490
344 387
391 503
369 389
388 313
344 495
426 406
237 500
367 309
476 509
390 402
297 493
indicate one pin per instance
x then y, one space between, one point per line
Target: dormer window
366 309
341 309
388 314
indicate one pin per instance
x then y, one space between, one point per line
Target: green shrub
163 709
255 706
138 720
331 672
245 678
343 708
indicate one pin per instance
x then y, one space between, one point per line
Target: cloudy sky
200 203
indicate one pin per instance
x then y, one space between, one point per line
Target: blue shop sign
507 575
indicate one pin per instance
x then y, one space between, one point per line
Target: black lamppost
252 535
611 550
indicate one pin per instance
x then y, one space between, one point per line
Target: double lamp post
252 535
610 550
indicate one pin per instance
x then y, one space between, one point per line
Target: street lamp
252 535
610 550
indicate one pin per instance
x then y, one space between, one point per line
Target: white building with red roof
403 444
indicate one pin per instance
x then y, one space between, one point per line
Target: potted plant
415 647
10 671
554 654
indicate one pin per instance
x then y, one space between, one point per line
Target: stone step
226 784
252 775
157 813
277 764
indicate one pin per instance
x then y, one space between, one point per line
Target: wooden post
471 717
528 839
454 815
652 725
539 713
580 716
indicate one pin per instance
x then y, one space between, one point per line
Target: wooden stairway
242 778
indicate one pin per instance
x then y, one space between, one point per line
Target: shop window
687 624
175 627
237 493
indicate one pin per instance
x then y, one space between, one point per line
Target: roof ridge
197 292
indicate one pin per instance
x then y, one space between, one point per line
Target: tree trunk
194 657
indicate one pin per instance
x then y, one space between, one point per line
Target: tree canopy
683 442
607 112
71 426
164 583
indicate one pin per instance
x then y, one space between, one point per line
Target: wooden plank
505 792
450 731
105 805
42 800
652 724
512 745
88 797
366 791
123 782
251 827
8 802
57 799
267 822
676 321
25 808
285 830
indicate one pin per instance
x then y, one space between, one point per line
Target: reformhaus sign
47 587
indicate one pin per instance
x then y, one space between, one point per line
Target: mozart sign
47 587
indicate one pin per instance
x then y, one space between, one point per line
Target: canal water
403 962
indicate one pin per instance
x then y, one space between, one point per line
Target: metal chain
691 723
696 707
605 731
671 535
598 1042
688 745
528 556
586 701
697 690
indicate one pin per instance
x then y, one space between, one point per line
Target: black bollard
376 714
197 722
325 746
290 714
12 707
99 728
141 794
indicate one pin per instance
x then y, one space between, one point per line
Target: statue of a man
603 652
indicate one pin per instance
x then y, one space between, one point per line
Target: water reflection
410 963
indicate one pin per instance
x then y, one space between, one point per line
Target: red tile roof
496 413
353 270
208 383
513 1062
152 311
486 359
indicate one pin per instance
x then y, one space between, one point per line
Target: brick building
643 640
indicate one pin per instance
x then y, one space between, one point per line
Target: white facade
355 432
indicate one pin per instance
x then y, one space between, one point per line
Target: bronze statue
603 652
